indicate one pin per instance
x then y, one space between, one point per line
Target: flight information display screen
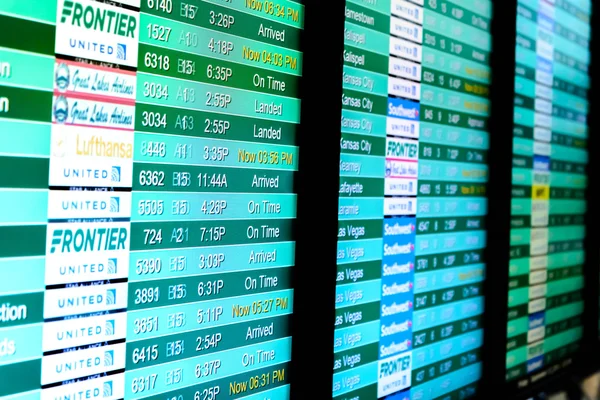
549 161
148 150
412 199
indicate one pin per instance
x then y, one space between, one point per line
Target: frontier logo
88 240
98 19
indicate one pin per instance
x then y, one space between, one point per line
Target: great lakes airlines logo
89 113
62 76
88 79
97 31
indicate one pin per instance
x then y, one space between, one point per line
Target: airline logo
537 263
396 288
88 204
544 92
405 49
83 267
535 363
396 248
400 108
395 328
399 226
90 173
537 320
404 88
536 334
401 169
402 149
97 31
544 65
72 77
541 178
103 388
543 149
406 30
394 374
404 69
74 238
402 127
546 15
539 241
84 331
544 49
546 78
540 192
395 309
541 163
536 306
400 187
539 276
395 269
535 292
400 206
535 350
406 10
543 106
90 113
543 120
76 364
84 300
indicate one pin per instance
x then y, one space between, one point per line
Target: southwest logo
97 19
88 240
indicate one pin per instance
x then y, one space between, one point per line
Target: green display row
447 296
198 68
146 353
560 84
177 121
167 292
27 35
361 187
554 220
245 22
224 46
235 387
186 234
193 179
527 132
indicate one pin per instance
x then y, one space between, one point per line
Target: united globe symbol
62 77
61 109
388 168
